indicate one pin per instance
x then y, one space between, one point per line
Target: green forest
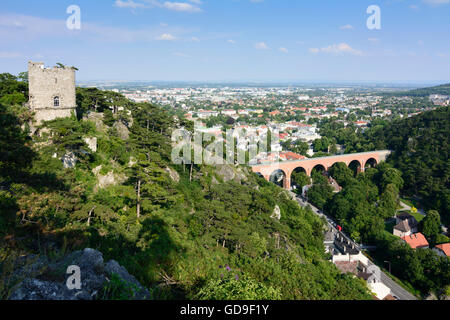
364 207
420 148
184 231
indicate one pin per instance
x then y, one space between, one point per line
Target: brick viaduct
362 160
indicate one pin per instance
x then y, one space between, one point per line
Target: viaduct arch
362 160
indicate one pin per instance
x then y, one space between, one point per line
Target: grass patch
418 216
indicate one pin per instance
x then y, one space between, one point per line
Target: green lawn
416 215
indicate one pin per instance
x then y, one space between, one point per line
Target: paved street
405 207
396 290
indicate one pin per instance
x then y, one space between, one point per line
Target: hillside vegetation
420 148
185 232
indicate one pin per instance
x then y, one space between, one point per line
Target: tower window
56 101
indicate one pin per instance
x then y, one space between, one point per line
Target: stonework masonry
52 91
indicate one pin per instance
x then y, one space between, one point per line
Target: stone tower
52 91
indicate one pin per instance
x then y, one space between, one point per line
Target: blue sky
232 40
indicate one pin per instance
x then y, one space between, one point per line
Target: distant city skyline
262 41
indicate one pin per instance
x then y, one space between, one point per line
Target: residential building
442 249
405 228
416 240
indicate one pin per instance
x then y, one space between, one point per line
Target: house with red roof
442 249
275 113
291 156
283 136
361 123
416 240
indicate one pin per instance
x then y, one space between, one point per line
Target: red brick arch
266 169
365 164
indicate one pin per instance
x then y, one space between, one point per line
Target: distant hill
443 89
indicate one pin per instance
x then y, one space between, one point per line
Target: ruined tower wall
47 83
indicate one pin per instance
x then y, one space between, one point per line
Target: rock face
173 174
229 173
97 118
48 281
110 179
69 160
122 130
276 213
91 143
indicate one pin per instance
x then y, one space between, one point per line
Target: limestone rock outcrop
44 280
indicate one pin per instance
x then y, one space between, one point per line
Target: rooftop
416 240
445 247
403 226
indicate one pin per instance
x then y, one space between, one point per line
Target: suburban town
225 159
295 117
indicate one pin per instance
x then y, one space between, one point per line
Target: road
333 225
405 207
396 290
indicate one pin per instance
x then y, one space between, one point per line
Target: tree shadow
151 256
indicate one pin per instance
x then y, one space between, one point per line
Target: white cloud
166 37
169 5
181 6
19 28
231 41
261 46
129 4
347 27
284 50
337 49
